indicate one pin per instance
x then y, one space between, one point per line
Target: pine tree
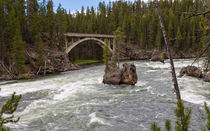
40 51
33 21
50 23
21 15
61 27
208 117
183 117
10 26
18 48
9 108
178 43
43 18
2 21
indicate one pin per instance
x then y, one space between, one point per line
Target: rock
158 56
5 77
206 77
59 62
26 76
113 75
191 71
129 75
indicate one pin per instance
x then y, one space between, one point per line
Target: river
78 101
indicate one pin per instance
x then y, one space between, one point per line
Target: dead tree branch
201 54
192 14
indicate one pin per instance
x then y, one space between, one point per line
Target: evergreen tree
61 27
33 21
18 48
50 23
10 26
178 43
2 21
208 117
9 108
40 51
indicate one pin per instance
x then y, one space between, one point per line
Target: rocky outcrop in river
116 76
158 56
194 72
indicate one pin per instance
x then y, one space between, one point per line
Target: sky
75 5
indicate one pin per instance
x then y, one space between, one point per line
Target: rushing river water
78 101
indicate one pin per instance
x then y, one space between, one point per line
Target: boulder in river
157 56
191 71
116 76
206 77
112 74
129 75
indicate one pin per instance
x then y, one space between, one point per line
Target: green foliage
40 51
50 23
9 108
168 125
154 127
18 48
106 53
119 36
183 117
60 27
208 117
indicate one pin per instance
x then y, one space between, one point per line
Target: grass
82 62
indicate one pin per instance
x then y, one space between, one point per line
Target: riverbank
56 61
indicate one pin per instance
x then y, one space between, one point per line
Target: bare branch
192 14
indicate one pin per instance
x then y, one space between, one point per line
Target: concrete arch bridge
74 39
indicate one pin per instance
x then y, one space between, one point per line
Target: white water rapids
78 100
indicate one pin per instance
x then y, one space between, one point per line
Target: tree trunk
176 87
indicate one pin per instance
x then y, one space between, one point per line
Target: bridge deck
89 35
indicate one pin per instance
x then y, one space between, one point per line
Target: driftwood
5 69
30 60
39 70
176 87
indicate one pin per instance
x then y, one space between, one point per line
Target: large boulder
157 56
206 77
116 76
112 74
129 75
191 71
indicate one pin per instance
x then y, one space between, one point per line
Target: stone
158 56
191 71
116 76
112 74
206 77
26 76
129 75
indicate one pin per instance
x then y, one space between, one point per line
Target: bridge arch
98 41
